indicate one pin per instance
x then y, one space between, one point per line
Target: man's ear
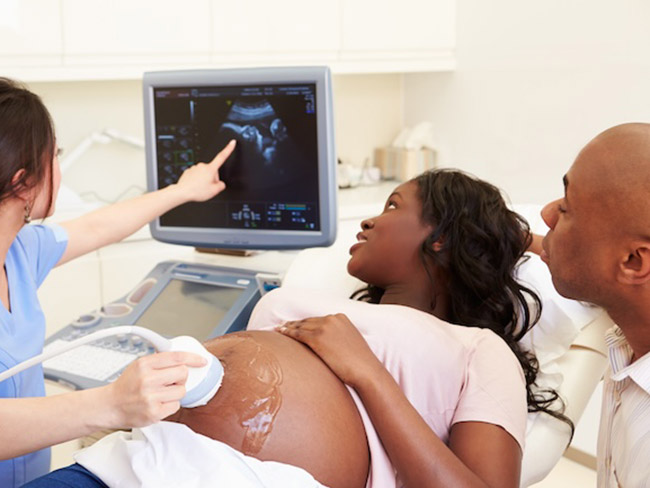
635 268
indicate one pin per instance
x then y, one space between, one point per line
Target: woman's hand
150 389
114 222
339 344
201 182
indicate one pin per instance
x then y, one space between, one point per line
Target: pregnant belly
280 402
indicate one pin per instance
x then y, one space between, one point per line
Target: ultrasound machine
281 194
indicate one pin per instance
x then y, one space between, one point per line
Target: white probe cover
202 383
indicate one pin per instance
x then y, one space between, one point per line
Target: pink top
449 373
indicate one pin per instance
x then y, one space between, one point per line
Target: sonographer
151 387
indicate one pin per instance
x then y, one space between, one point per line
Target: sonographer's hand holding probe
182 374
201 181
151 388
154 387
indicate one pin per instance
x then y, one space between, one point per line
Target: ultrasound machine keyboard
94 362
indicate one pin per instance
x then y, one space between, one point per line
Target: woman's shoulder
35 236
38 247
477 338
494 389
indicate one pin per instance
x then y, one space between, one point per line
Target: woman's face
42 190
387 251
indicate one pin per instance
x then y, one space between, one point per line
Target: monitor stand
227 252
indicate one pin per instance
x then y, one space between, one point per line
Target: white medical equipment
197 300
281 178
201 385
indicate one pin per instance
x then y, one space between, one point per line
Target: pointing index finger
222 155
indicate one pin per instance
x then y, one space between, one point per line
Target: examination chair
568 340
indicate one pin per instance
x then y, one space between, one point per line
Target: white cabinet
92 39
143 31
413 34
283 30
410 35
30 33
386 25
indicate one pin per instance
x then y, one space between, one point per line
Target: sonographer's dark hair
26 140
483 242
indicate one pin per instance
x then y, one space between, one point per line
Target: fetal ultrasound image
266 156
257 127
274 163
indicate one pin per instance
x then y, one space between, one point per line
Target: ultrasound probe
202 382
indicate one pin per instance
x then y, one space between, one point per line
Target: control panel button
140 291
86 320
116 309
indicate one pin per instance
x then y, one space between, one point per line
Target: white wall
535 81
367 110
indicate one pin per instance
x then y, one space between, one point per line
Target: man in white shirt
598 250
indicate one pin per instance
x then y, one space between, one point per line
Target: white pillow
325 268
560 323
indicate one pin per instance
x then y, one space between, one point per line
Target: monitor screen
189 308
280 185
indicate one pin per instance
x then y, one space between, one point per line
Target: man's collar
620 357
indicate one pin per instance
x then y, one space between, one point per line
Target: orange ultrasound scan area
280 402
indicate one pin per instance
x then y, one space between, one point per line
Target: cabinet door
30 33
269 32
142 31
407 25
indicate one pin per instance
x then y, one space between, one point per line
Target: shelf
428 62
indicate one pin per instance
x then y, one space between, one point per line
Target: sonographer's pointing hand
201 181
150 388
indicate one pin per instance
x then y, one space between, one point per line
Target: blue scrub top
34 252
